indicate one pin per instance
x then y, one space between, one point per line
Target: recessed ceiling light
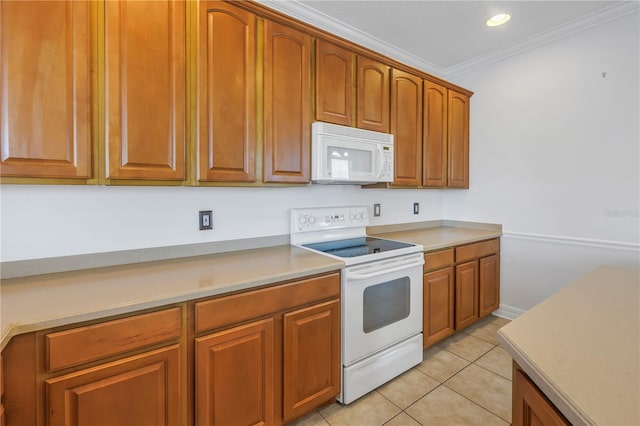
499 19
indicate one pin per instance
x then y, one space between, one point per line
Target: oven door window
385 304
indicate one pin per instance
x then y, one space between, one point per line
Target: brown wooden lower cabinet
141 390
489 284
438 296
466 294
234 380
311 358
461 285
530 406
267 356
264 356
1 395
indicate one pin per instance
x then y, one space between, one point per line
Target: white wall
48 221
555 151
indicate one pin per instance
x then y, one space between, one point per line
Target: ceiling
448 37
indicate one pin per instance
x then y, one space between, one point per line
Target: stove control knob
364 215
351 216
302 219
312 220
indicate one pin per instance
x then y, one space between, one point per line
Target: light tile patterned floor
463 380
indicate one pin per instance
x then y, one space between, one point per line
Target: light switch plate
205 219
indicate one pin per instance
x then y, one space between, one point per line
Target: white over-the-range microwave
348 155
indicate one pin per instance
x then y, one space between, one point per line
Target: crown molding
559 32
325 22
302 12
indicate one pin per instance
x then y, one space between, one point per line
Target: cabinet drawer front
476 250
84 344
438 259
216 313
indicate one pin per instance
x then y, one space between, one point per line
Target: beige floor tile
441 364
497 360
486 329
443 406
312 419
370 410
485 388
408 388
402 419
466 346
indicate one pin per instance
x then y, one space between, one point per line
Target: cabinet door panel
458 140
45 89
530 406
226 93
141 390
287 105
311 357
234 376
145 80
466 294
489 284
334 84
406 125
373 95
438 306
434 158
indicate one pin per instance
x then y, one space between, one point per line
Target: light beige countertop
44 301
581 347
437 237
38 302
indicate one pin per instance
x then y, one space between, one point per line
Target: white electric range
381 300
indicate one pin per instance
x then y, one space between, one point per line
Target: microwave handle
380 161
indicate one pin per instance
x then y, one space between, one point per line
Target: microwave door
353 161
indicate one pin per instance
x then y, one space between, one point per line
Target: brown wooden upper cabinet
458 140
445 161
334 84
337 89
373 95
434 150
287 104
406 126
145 89
226 93
45 95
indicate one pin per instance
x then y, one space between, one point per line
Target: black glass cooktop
354 247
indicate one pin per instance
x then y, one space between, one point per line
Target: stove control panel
307 220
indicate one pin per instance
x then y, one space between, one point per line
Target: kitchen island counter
581 347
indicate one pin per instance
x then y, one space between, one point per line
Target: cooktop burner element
357 246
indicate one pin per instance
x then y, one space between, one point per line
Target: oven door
382 305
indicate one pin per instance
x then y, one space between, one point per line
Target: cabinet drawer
438 259
476 250
215 313
84 344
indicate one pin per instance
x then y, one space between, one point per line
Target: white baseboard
508 312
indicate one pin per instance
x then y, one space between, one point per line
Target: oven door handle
351 275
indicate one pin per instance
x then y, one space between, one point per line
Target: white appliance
348 155
381 298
